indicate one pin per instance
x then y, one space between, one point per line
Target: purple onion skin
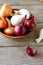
20 30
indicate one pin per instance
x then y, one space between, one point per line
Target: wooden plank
29 40
37 11
18 56
11 55
21 2
33 8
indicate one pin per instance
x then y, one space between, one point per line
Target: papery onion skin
3 24
30 23
20 30
9 31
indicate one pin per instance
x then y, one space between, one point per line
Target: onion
9 31
20 30
25 12
30 24
17 19
3 24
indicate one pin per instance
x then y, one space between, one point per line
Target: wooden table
13 52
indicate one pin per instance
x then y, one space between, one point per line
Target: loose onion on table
31 52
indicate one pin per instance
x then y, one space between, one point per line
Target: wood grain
21 2
18 56
13 52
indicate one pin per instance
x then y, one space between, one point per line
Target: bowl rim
16 37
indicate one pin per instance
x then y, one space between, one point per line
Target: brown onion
3 24
9 31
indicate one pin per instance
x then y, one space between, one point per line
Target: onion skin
16 20
20 30
6 10
30 24
31 52
9 31
25 12
3 24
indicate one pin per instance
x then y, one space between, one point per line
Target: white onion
16 19
25 12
